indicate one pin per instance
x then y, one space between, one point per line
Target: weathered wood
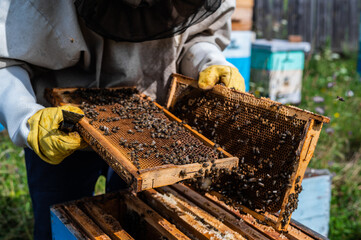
250 217
62 228
244 3
170 174
87 225
237 224
194 215
306 150
205 217
319 22
184 222
242 19
314 201
164 227
107 222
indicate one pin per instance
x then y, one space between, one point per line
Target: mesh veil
149 20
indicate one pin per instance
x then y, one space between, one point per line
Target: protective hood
143 20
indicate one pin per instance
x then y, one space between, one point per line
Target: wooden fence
320 22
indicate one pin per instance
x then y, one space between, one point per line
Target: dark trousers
72 179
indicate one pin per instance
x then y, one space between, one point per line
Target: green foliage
339 146
16 221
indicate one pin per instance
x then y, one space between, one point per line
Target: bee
291 118
252 180
340 98
205 165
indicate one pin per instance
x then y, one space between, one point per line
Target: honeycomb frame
184 92
150 175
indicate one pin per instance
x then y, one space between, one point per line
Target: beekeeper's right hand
48 142
18 105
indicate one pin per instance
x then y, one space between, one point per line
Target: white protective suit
44 44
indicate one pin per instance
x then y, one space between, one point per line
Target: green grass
15 206
16 217
338 149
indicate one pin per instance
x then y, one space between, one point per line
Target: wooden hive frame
175 212
100 218
305 150
138 179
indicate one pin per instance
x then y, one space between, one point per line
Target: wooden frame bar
174 212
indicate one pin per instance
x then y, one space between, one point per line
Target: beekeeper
96 43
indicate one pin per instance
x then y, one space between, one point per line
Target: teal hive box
314 201
359 50
238 53
276 69
359 58
265 60
1 128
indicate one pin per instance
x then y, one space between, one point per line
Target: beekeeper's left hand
230 76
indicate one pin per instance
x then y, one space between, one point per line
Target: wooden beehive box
173 212
242 15
142 159
274 143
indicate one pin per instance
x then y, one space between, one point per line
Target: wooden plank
306 150
236 224
317 21
87 225
242 15
297 231
164 227
184 222
244 3
170 174
63 228
242 19
250 217
243 209
107 222
221 230
241 26
175 79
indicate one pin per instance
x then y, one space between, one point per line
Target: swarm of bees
141 128
267 161
265 141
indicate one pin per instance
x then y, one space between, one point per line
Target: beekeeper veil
143 20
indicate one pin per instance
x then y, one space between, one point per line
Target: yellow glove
49 143
230 76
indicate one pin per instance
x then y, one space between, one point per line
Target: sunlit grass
339 146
